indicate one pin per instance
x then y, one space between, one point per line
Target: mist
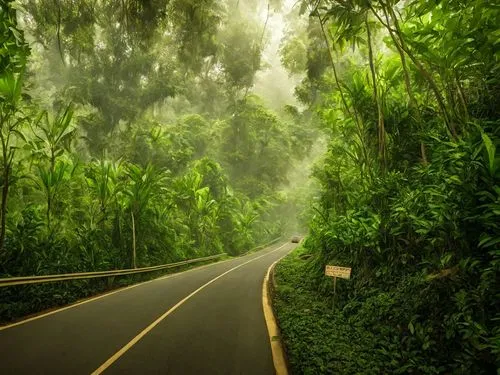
156 134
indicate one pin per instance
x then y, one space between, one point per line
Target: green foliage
294 53
118 142
409 192
13 48
241 54
195 24
256 146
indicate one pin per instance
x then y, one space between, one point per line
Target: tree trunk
58 31
381 127
342 95
334 68
388 10
50 188
423 153
49 207
134 263
5 188
461 97
412 101
3 211
409 90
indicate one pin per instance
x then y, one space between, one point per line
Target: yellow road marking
272 327
137 338
43 315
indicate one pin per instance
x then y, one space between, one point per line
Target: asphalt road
173 325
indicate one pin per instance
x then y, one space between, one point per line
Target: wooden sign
335 271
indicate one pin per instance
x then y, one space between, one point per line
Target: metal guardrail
11 281
24 280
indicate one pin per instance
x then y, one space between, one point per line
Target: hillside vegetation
408 94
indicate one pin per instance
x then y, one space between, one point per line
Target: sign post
336 271
334 291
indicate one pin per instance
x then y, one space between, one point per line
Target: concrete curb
279 356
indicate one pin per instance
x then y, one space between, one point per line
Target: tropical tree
102 177
52 137
11 120
145 185
13 53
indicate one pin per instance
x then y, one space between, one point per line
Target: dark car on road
295 239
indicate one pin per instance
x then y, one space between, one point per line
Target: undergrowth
318 340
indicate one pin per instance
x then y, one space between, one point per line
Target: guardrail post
111 280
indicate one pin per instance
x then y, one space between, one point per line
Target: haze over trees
132 135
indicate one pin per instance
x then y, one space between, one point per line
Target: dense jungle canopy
142 132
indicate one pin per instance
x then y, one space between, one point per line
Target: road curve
203 321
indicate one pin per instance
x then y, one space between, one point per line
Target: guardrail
11 281
24 280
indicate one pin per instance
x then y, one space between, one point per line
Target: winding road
207 320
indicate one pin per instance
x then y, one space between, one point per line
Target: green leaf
491 151
411 328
